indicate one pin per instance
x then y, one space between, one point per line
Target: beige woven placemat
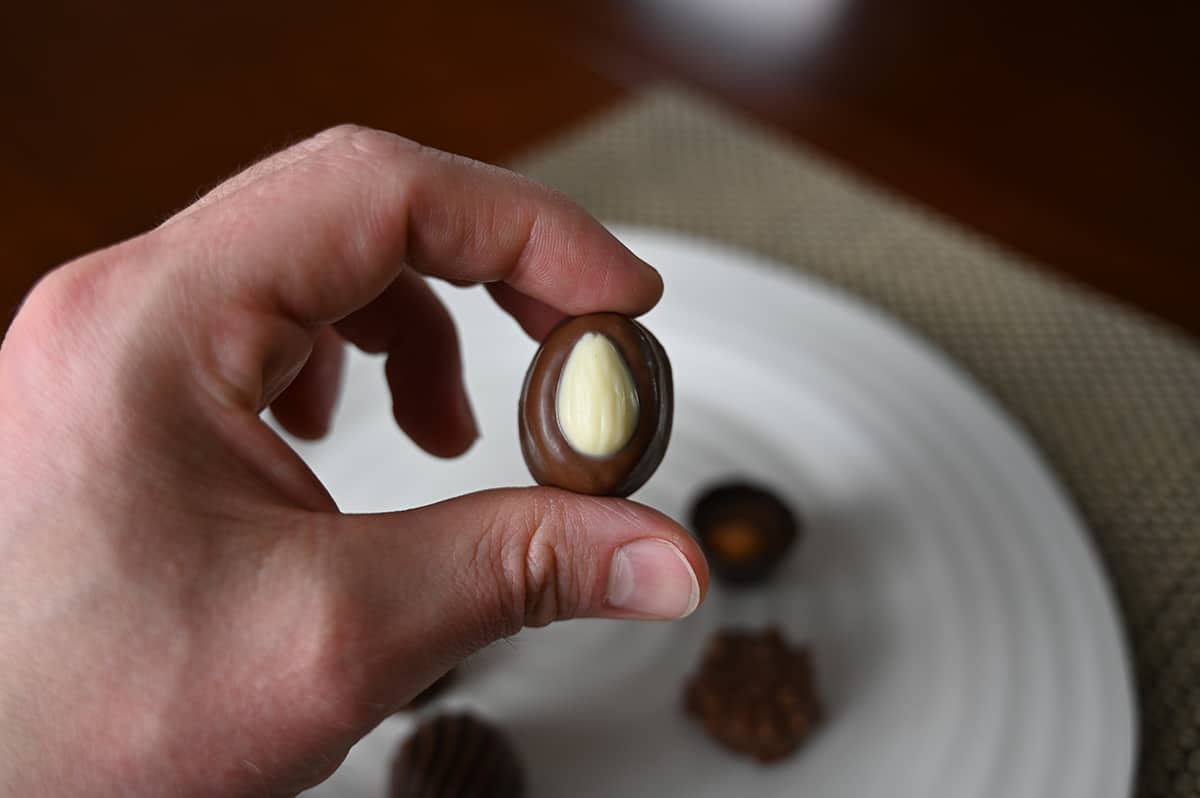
1112 397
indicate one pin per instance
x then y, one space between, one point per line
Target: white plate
965 638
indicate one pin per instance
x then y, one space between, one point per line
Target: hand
183 611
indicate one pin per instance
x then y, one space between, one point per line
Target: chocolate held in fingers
597 405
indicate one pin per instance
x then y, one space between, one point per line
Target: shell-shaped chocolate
457 756
597 405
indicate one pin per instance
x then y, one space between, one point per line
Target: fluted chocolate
596 408
457 756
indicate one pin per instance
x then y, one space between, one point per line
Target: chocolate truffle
755 694
457 756
596 409
744 530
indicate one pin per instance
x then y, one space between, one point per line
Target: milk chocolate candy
755 694
744 529
596 409
457 756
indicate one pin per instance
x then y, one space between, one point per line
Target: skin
183 610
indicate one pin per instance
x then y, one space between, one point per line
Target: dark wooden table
1067 131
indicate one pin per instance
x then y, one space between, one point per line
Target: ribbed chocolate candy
457 756
755 694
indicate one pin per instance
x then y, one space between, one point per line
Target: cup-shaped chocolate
596 408
744 529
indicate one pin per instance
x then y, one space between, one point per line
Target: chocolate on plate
745 530
457 756
755 694
596 409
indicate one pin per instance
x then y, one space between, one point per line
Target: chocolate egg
596 409
457 756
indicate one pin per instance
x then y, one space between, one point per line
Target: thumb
444 580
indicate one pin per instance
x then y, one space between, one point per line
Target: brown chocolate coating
550 457
755 694
745 531
457 756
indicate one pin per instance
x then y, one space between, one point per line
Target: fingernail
652 578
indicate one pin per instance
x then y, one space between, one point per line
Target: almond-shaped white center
597 403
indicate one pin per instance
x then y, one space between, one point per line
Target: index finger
326 232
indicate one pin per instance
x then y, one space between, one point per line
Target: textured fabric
1111 397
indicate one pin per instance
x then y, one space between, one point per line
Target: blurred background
1066 131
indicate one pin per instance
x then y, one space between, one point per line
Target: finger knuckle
336 683
537 563
64 306
333 656
339 135
66 291
358 142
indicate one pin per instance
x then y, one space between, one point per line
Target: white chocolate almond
597 402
